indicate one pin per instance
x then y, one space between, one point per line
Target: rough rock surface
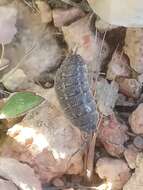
90 47
134 48
44 139
112 135
20 174
130 154
118 66
123 101
7 24
136 120
114 12
7 185
138 142
140 78
64 17
16 80
45 11
34 49
130 87
106 95
136 180
103 26
115 171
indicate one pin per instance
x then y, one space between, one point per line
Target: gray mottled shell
74 94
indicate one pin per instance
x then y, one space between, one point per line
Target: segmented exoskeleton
74 94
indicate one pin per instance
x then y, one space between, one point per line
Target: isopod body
74 94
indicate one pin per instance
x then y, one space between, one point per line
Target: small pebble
16 80
58 182
136 120
130 155
130 87
138 142
64 17
112 134
45 11
118 66
134 48
115 171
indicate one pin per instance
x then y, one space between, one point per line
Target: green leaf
19 103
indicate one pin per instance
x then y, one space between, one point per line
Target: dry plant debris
42 149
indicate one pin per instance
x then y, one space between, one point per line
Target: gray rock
136 181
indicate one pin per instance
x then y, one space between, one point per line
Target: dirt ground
88 131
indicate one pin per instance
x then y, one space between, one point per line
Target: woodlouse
74 94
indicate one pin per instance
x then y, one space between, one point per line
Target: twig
31 5
2 53
90 156
2 66
99 123
82 148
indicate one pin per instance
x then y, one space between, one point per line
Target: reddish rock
130 155
45 11
118 66
7 185
115 171
136 120
134 48
112 135
130 87
44 140
136 180
63 17
92 48
20 174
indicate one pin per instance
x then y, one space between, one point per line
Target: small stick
90 156
31 5
2 53
102 44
